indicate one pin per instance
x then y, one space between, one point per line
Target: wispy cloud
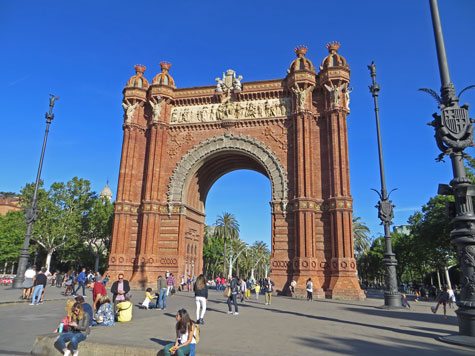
410 208
19 80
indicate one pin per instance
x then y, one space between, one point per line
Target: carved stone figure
174 117
237 83
301 95
156 105
212 113
219 86
251 110
273 111
335 95
129 110
347 96
220 112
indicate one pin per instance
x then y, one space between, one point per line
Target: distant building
9 204
402 229
106 192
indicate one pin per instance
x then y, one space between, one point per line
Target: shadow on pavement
390 346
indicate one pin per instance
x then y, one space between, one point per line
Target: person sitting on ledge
78 330
184 344
105 313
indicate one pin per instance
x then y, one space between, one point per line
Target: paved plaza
287 327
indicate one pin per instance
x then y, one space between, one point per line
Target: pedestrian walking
309 290
81 280
452 299
232 295
257 289
170 283
162 293
442 298
268 289
40 283
404 301
79 329
185 341
243 289
201 298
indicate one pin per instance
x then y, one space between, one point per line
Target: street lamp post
392 298
31 212
454 133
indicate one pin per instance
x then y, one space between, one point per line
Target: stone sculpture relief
231 110
156 105
129 110
229 81
347 96
335 94
301 95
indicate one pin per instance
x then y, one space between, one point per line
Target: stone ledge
44 346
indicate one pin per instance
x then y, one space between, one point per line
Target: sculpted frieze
231 110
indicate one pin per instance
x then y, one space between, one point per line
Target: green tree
227 228
12 232
213 251
96 227
60 213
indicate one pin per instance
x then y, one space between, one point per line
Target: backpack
197 333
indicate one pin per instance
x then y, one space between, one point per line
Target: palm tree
227 228
259 252
361 238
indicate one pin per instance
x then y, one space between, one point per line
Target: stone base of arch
344 281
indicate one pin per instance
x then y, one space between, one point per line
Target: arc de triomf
179 141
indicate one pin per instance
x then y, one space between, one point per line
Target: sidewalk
288 326
9 295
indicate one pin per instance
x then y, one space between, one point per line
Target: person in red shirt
98 291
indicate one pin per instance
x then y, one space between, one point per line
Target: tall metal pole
454 133
31 212
392 298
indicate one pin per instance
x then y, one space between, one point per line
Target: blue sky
84 52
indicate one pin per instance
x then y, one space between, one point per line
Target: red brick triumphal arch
179 141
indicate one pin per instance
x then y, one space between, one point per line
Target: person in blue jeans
162 297
79 329
185 342
233 297
40 284
81 282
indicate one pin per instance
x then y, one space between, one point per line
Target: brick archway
179 141
231 145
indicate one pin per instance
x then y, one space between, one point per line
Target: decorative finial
300 50
140 69
165 66
333 47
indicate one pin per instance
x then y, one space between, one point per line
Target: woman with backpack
201 298
185 336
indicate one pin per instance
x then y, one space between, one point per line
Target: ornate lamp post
31 212
454 133
392 298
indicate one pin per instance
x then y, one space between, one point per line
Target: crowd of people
81 317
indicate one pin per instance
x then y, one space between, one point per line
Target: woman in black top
201 298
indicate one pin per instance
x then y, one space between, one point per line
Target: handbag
227 292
